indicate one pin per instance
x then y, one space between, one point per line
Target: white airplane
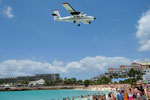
76 17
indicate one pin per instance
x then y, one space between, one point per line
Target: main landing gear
74 21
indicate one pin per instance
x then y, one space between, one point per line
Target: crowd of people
88 97
121 93
136 93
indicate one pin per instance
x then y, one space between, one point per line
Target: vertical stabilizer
56 14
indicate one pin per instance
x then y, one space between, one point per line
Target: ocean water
44 94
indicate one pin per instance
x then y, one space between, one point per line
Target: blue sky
29 32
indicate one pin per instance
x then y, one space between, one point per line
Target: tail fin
56 15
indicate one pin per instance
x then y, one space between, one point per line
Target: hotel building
50 77
146 77
124 69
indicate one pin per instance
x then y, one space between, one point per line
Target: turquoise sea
44 94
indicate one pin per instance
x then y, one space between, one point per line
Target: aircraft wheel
78 24
74 21
89 22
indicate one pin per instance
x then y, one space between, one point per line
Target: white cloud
98 64
27 67
103 63
8 12
143 32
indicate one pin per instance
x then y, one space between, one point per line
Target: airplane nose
94 18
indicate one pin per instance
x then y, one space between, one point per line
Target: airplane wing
70 9
85 22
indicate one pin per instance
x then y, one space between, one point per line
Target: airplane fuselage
77 19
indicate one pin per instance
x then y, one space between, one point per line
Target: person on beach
138 94
148 94
82 98
109 96
147 86
125 95
113 96
130 94
143 93
120 95
103 97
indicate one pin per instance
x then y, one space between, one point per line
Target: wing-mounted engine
75 13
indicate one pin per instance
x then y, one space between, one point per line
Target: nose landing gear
89 22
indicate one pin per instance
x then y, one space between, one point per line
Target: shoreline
40 88
106 87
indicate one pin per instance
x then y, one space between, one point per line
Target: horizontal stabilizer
54 14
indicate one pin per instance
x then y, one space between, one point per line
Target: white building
40 82
146 77
145 63
144 66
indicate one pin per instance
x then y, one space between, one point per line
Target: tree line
133 75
